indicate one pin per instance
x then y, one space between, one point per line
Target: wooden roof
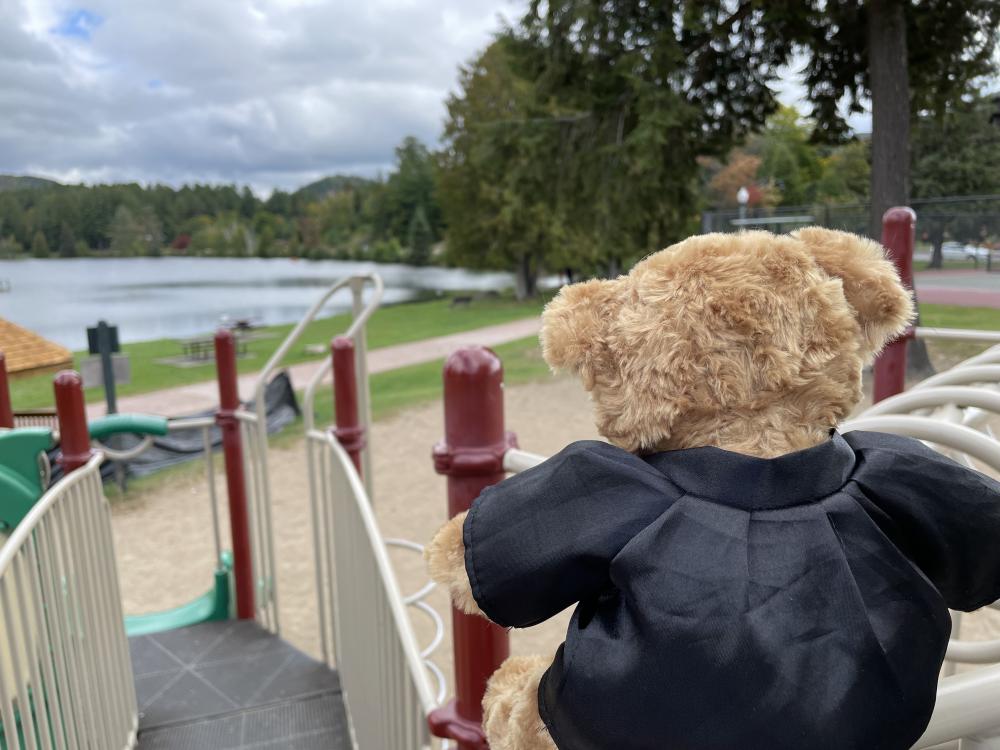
27 353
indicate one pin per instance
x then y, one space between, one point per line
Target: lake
152 298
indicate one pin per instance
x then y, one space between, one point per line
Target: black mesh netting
179 446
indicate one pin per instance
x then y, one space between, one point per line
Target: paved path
187 399
966 288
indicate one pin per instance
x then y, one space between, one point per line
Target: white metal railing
253 426
366 632
253 434
65 675
957 334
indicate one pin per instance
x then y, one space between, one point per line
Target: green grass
952 316
417 384
396 324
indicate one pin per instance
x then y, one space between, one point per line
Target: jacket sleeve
944 516
544 539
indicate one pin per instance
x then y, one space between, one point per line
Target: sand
164 537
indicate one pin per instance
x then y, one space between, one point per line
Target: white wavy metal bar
387 692
989 357
925 398
966 710
962 376
65 657
515 461
957 334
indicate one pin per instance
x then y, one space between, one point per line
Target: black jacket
731 602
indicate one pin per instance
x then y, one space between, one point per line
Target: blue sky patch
78 24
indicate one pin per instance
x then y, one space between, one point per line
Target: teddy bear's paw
510 706
445 557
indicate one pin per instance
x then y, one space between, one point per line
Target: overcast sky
270 93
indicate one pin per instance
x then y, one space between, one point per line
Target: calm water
151 298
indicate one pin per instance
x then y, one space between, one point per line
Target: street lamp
743 197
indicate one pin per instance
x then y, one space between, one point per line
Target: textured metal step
231 685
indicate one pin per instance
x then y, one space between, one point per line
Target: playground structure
65 639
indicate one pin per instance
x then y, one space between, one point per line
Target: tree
907 56
643 90
67 241
125 232
497 174
39 245
420 238
789 161
957 154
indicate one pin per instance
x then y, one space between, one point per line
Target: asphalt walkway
195 397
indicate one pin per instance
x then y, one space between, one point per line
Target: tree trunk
890 89
524 278
937 241
889 74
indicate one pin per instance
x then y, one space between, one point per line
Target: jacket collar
752 483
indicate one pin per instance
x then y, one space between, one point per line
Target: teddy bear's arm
445 557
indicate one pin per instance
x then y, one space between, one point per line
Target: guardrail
62 622
366 631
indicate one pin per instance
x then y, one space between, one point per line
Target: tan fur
510 706
445 557
751 342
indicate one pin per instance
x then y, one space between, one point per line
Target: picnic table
203 347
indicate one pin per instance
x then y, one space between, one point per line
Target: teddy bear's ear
575 323
882 305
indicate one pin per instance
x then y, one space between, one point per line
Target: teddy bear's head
751 342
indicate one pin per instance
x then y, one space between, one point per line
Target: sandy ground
164 538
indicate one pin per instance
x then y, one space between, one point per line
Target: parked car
958 251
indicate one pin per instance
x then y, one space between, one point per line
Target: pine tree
39 245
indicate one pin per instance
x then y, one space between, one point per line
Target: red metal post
898 233
6 412
471 456
232 449
348 429
71 411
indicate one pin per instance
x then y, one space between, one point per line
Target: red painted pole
232 450
6 412
71 411
471 456
898 233
348 430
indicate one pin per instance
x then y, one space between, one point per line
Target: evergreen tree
67 241
420 239
39 245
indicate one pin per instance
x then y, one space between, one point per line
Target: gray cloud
272 93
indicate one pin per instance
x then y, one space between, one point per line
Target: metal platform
231 685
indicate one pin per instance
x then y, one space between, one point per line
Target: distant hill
333 184
19 182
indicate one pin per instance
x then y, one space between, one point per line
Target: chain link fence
955 229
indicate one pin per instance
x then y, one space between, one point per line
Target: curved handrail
966 706
279 354
924 398
974 373
515 460
955 436
990 356
309 397
20 534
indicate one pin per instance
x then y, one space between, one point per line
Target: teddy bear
743 576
